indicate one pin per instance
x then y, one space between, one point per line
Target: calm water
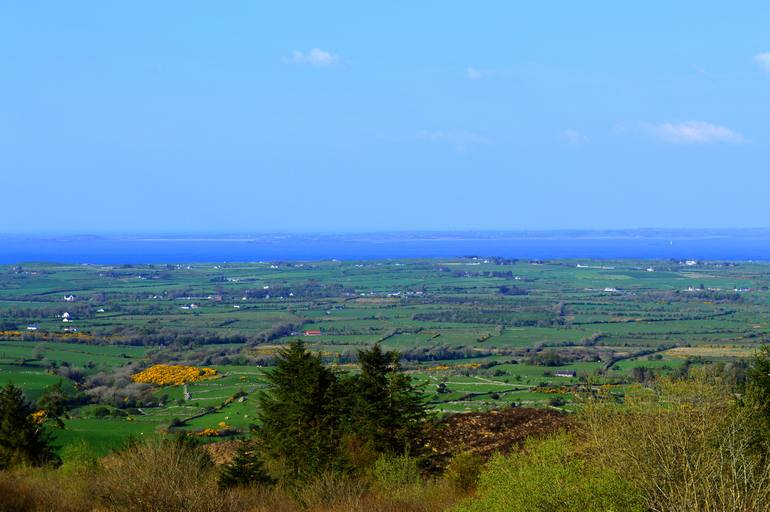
116 250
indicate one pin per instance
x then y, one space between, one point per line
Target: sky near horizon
347 116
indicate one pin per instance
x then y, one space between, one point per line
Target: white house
69 298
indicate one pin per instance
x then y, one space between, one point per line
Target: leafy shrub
556 401
548 477
686 444
463 471
78 458
392 471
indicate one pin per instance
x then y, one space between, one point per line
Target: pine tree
300 413
387 412
22 439
246 469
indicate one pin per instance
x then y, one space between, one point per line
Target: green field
475 333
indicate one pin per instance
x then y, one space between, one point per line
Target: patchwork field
475 333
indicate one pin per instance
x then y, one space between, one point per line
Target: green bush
686 444
392 471
463 471
78 458
547 477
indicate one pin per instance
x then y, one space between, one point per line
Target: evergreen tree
22 438
300 413
245 469
387 412
53 401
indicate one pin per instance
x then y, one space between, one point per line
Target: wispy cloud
688 132
316 57
763 59
574 137
474 73
460 139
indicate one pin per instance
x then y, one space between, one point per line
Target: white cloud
763 59
691 132
574 137
460 139
316 57
474 74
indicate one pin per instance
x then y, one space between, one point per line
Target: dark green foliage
22 441
53 402
387 412
547 358
246 469
757 395
309 409
300 413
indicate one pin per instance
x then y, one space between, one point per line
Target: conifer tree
300 413
22 438
246 469
387 411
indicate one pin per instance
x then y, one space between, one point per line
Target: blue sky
343 116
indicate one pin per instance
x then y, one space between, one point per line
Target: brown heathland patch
486 433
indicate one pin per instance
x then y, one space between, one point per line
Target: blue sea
117 250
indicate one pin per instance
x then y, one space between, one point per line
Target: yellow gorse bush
173 375
39 417
209 432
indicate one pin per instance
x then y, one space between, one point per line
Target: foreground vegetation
697 442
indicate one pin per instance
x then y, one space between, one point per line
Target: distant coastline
709 244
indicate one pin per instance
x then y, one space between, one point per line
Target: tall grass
168 476
38 490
